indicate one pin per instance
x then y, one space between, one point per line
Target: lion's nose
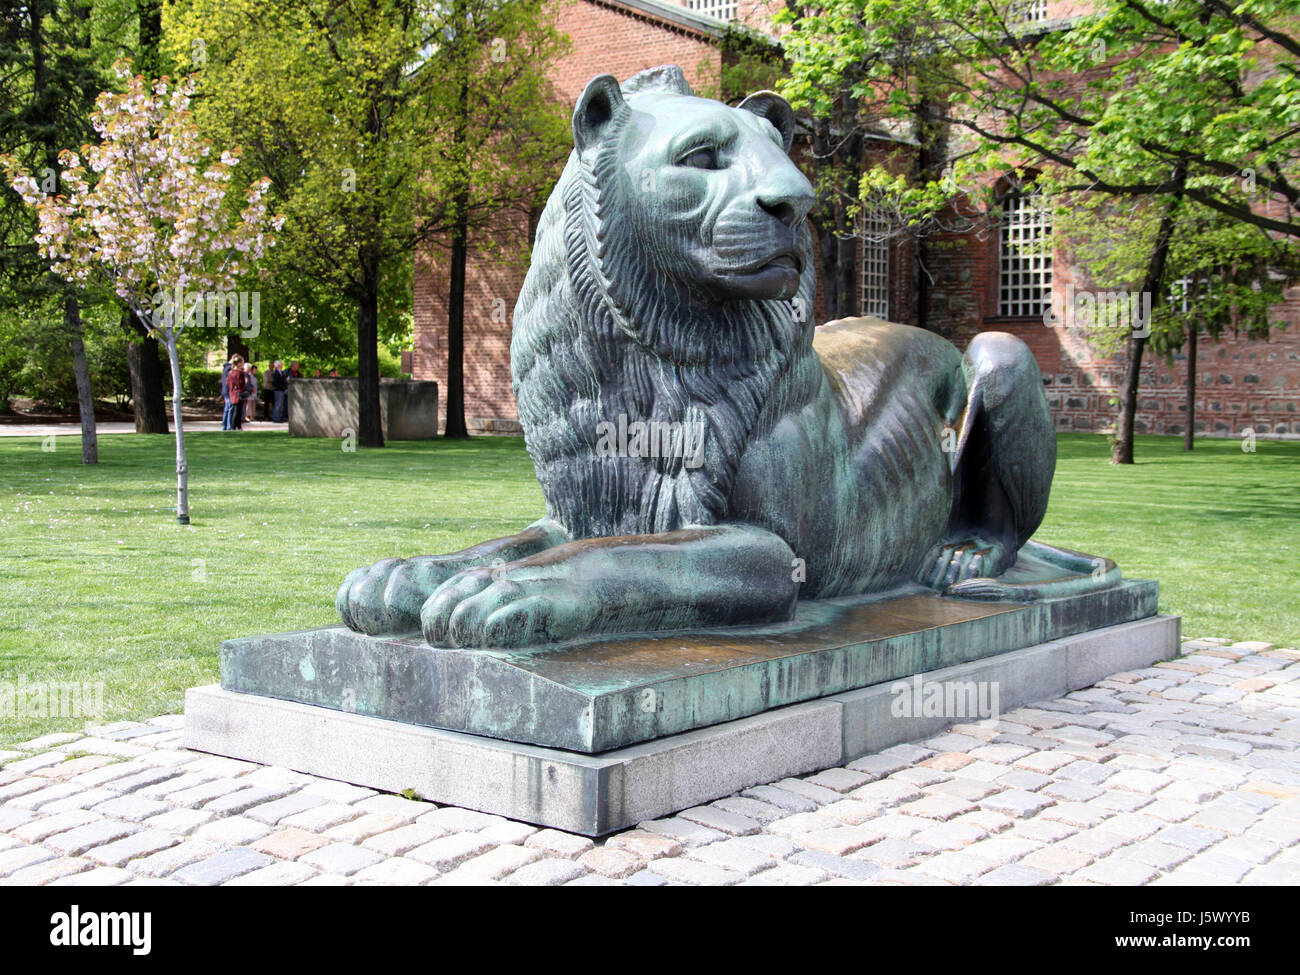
788 204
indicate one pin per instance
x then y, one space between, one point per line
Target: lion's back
868 361
847 475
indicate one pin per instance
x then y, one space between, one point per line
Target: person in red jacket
236 380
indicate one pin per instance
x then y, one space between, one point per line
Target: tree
1195 100
47 83
132 30
739 62
154 230
1220 275
384 129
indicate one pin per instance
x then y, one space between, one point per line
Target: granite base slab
609 692
602 793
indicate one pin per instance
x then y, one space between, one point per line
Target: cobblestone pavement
1184 773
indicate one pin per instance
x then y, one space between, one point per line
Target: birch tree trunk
182 467
85 395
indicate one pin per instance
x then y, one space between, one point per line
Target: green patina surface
707 452
597 694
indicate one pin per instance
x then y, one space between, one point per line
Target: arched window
1024 254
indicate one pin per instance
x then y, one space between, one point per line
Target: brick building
972 281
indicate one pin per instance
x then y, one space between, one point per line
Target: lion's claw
502 608
387 597
360 600
952 562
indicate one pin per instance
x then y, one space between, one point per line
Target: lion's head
702 194
671 281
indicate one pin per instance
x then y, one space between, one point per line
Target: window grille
875 265
1027 11
1024 256
718 9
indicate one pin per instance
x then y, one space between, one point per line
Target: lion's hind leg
1004 457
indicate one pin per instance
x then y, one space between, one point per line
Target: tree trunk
182 467
922 284
71 307
851 152
829 226
1153 284
1122 448
85 396
147 397
1189 436
369 420
846 273
455 420
930 156
235 345
827 254
148 58
455 427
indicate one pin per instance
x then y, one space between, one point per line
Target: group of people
239 391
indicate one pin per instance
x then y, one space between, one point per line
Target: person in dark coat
280 392
268 393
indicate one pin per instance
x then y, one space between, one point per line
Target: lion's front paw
953 562
502 607
387 597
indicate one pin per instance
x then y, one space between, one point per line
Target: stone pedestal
408 409
600 734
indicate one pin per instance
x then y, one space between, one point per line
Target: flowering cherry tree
154 230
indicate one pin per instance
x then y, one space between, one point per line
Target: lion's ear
774 108
601 100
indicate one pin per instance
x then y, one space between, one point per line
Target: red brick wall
609 40
1241 383
491 286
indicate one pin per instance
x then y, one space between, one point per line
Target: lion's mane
596 338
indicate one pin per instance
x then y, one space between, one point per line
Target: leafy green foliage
34 359
1222 276
1108 105
352 113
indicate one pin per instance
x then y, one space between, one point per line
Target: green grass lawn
101 584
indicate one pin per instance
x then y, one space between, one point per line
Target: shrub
198 382
110 376
390 365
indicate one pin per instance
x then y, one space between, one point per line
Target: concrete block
408 409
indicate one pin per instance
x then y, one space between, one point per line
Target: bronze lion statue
708 457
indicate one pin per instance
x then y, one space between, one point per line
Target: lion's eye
704 157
